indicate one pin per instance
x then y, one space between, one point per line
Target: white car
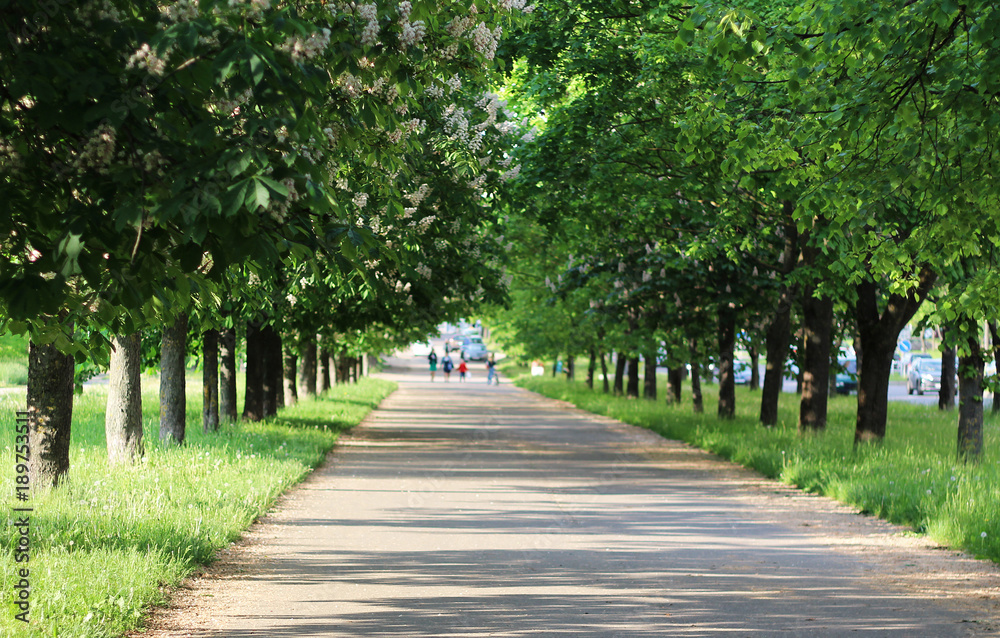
420 348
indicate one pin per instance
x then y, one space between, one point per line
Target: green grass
913 478
13 361
106 546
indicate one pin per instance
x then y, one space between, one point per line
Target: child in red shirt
462 369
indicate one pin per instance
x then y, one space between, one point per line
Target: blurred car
924 376
473 348
910 359
846 380
742 371
420 348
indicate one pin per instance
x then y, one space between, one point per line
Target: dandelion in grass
983 535
928 492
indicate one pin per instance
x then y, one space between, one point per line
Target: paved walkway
468 510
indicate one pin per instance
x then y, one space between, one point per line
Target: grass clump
913 478
105 546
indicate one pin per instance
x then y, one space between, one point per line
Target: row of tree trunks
253 397
309 367
591 367
290 365
696 399
606 384
325 359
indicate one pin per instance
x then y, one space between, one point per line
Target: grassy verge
913 479
107 545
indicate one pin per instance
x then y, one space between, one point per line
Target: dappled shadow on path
483 511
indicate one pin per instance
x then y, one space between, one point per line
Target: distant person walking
432 358
491 370
446 366
462 369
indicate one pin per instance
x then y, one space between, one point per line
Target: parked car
742 371
473 348
846 380
910 359
924 376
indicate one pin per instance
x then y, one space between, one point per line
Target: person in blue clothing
432 358
491 370
446 366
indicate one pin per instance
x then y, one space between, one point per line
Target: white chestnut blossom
180 11
145 58
360 199
98 151
306 48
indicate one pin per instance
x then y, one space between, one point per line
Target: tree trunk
697 401
877 335
675 378
970 403
324 356
995 341
776 347
605 384
619 387
291 363
210 381
632 390
278 369
355 368
50 415
727 346
173 396
570 367
817 325
253 399
228 410
271 364
591 367
946 395
308 360
649 378
754 369
123 415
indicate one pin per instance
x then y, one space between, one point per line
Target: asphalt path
461 509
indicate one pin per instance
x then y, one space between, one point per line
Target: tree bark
619 387
278 369
946 395
291 364
649 378
228 409
727 346
632 390
675 378
877 334
817 325
605 384
570 367
271 365
970 403
591 367
173 394
776 347
324 356
50 415
253 399
210 381
308 359
123 414
754 369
